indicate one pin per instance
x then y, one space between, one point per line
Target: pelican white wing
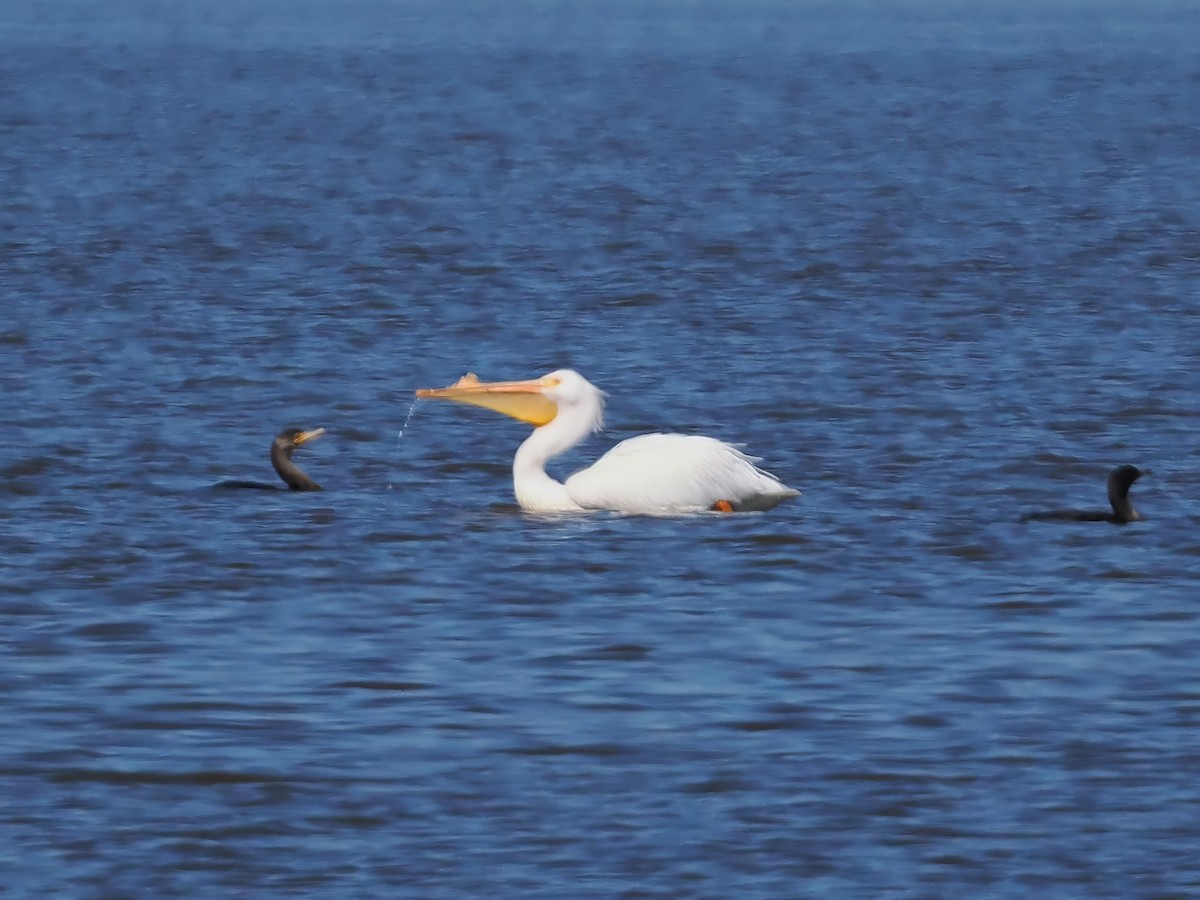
675 472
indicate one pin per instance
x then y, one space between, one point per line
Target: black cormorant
281 458
1119 482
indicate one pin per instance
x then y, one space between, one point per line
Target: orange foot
722 506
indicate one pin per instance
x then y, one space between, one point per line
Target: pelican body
651 473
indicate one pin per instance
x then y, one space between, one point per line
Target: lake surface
938 266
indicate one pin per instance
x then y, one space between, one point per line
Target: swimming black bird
281 458
1119 482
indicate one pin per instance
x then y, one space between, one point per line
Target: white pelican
651 473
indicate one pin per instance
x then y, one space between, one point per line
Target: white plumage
652 473
665 472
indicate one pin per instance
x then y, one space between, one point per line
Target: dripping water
400 434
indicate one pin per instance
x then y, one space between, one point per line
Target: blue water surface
937 263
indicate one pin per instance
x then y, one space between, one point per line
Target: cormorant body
1119 481
281 459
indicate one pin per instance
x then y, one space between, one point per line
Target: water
938 266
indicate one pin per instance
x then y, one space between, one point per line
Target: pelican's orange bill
522 400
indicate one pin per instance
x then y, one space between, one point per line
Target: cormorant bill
1119 481
281 458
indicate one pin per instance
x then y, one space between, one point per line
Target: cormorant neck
293 476
1123 509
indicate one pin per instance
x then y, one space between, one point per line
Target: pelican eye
551 381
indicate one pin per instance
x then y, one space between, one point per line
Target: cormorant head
1118 493
291 438
1122 477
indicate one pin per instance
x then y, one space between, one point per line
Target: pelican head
569 390
538 401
